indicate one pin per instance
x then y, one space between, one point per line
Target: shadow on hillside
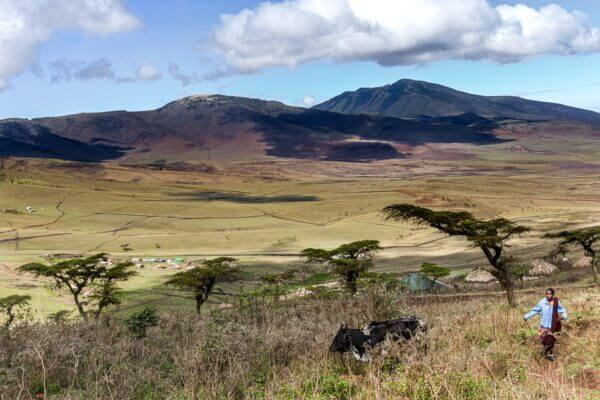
245 198
24 139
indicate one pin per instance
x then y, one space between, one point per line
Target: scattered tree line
93 281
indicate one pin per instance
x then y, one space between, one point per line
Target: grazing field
474 349
266 211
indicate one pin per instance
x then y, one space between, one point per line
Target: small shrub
329 387
471 388
139 322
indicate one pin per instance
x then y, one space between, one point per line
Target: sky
62 57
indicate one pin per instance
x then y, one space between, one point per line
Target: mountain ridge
218 121
408 98
241 127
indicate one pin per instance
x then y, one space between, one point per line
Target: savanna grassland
475 349
265 211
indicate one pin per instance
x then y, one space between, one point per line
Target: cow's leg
346 364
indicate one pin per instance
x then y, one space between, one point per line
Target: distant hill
20 138
416 99
193 124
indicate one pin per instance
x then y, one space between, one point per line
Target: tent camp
420 282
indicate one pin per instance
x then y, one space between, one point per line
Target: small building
541 267
583 262
419 282
480 275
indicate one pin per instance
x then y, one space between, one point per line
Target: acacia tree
274 285
489 235
347 261
434 271
201 280
587 238
10 303
79 274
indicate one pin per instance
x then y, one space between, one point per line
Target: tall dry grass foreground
476 349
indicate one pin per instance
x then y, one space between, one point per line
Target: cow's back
405 328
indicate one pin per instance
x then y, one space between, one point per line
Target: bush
139 322
476 349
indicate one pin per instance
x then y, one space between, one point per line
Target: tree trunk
98 312
505 278
199 301
351 284
595 262
80 308
11 318
510 294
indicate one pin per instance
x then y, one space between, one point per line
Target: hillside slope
267 127
19 138
415 99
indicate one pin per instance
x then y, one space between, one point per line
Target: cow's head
341 341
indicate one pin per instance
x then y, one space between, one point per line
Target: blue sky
181 32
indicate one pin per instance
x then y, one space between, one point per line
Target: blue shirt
544 307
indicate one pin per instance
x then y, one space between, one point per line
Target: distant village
162 263
175 263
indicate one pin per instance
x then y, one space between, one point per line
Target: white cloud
64 70
147 72
26 24
185 79
394 32
3 84
309 101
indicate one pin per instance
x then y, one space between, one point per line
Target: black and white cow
360 341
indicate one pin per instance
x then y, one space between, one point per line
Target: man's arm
563 311
534 311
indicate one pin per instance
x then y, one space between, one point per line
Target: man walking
551 313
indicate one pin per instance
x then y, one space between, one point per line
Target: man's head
549 294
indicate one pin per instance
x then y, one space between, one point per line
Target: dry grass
251 217
476 349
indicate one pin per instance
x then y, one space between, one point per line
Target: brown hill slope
212 121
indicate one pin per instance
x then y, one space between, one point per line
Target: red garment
556 325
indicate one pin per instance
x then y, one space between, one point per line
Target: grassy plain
476 349
265 211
